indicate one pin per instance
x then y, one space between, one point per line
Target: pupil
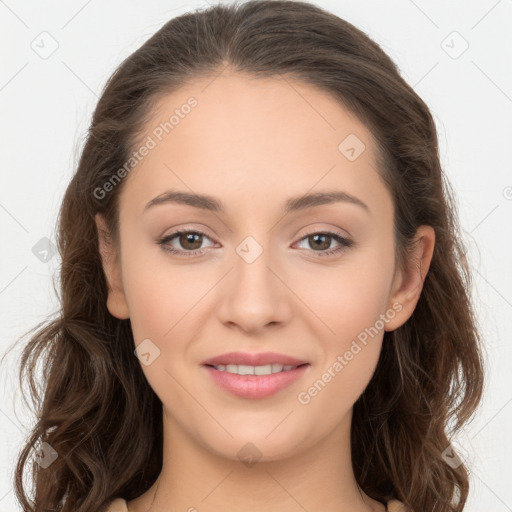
189 238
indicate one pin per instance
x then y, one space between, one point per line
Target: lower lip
255 386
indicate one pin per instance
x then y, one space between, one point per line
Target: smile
243 369
255 382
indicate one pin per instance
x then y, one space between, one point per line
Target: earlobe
408 284
116 300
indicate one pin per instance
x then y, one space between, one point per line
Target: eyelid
186 229
332 231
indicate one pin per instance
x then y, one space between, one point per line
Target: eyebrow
293 204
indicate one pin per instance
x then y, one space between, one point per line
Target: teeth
242 369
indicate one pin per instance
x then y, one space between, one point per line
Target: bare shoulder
118 505
396 506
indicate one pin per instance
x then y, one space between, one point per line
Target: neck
196 479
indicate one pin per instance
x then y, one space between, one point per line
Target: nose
254 294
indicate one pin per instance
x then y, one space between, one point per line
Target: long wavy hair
91 397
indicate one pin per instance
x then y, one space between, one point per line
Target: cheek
165 303
160 294
162 305
351 302
349 298
349 356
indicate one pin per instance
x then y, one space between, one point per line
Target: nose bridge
252 274
254 296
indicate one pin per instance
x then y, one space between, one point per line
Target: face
258 267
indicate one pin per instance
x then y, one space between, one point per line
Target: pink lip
255 386
249 359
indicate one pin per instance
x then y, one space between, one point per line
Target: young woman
265 296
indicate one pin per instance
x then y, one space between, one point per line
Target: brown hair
94 399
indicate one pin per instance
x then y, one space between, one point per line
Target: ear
408 284
116 300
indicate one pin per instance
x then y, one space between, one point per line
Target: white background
46 107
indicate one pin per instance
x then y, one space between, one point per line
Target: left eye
191 241
318 240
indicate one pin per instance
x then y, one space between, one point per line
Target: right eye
184 237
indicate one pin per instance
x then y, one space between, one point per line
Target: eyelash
345 243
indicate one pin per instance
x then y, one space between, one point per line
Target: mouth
243 369
255 382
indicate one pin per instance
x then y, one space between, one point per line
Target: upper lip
248 359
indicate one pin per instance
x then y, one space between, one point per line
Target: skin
253 143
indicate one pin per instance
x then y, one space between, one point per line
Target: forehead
235 135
